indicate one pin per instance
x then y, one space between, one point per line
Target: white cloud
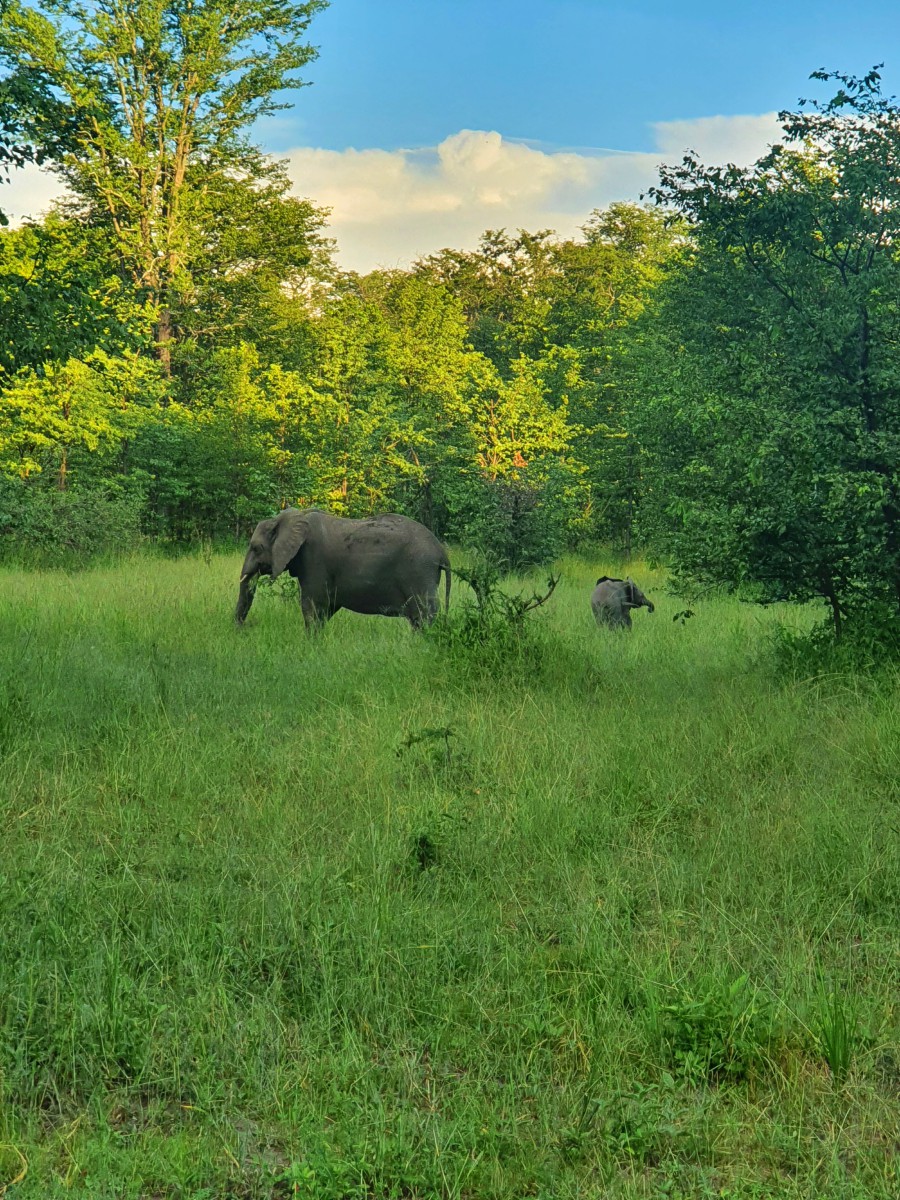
719 139
390 206
29 193
387 207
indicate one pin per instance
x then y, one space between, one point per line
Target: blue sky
569 73
430 121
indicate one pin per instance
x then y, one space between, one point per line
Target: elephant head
273 545
634 597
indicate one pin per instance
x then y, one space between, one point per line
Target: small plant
429 736
838 1034
324 1175
425 851
492 630
640 1124
719 1033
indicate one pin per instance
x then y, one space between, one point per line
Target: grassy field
629 927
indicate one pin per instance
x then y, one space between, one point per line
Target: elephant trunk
245 599
650 607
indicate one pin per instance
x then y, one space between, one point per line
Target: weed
425 851
718 1032
325 1175
432 737
838 1033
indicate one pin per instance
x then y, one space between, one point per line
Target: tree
567 307
257 252
77 418
773 424
62 296
502 287
156 99
34 124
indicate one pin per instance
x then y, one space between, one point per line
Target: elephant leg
314 615
421 610
416 616
431 609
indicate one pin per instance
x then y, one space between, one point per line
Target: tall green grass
341 917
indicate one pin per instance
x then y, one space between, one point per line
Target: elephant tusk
243 577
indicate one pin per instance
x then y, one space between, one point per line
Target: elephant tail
445 567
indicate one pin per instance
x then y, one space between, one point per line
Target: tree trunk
829 594
164 339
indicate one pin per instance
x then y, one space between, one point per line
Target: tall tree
566 306
774 421
157 97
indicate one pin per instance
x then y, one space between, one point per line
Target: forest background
711 375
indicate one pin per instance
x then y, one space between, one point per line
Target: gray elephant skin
388 565
613 599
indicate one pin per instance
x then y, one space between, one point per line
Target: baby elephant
613 599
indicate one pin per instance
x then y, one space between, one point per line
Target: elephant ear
289 536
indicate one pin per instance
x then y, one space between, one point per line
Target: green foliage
641 1125
62 297
495 631
719 1031
247 947
837 1034
258 252
560 312
156 100
868 642
771 420
75 418
42 526
520 520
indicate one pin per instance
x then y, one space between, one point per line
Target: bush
493 630
870 637
42 527
720 1032
515 525
517 521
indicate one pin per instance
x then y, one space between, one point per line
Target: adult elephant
613 599
390 565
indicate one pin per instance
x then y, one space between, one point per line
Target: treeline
713 375
479 391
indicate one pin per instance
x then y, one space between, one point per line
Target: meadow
362 916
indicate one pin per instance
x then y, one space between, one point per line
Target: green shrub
517 521
869 637
493 630
44 527
717 1032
